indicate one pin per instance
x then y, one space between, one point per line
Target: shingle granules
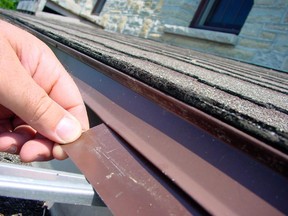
21 207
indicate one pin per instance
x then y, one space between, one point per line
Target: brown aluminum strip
212 189
121 180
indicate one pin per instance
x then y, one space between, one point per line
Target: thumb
33 105
26 99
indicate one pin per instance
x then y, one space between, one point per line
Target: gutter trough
41 184
191 160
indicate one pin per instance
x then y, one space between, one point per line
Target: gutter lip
259 150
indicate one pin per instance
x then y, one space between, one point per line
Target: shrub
8 4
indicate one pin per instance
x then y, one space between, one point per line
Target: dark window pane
216 14
247 5
98 7
229 14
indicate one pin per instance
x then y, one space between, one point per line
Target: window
98 7
222 15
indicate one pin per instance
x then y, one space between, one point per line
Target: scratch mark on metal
111 150
119 194
118 168
97 150
110 175
134 180
105 155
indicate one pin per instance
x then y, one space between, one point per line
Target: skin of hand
40 105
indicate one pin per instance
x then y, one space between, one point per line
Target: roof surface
250 98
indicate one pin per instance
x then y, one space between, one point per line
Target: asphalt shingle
250 98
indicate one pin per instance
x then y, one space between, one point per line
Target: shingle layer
250 98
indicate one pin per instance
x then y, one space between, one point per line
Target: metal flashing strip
127 185
216 191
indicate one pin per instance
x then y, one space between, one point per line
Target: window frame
98 7
205 9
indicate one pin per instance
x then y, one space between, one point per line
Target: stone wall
265 34
145 18
134 17
263 39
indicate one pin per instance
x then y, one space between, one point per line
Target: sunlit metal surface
27 182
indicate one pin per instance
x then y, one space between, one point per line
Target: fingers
41 64
58 152
41 150
37 150
46 101
35 87
12 142
31 147
42 113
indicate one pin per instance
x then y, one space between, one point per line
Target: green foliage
8 4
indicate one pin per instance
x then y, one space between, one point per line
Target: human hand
40 105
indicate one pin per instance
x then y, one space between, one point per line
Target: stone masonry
263 39
141 18
265 34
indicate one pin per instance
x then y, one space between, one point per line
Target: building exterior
250 31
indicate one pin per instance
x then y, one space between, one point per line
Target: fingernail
12 150
68 129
